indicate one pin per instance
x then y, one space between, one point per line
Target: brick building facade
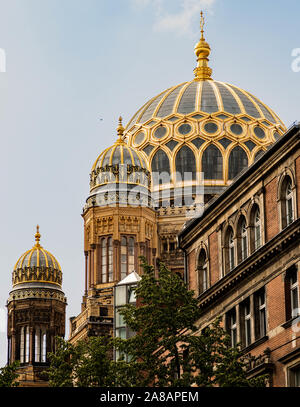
243 260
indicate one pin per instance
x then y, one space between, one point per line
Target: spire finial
202 50
37 236
202 22
120 130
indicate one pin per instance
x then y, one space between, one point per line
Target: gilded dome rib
217 95
208 99
179 96
147 113
188 99
231 102
165 107
249 106
198 95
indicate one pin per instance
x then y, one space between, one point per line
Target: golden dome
119 175
119 154
203 126
37 265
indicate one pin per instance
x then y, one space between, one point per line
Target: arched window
185 164
287 202
202 272
229 250
106 260
256 228
40 345
127 255
212 163
237 162
160 167
242 239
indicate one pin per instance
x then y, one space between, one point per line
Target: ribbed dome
205 97
120 153
119 175
201 133
37 265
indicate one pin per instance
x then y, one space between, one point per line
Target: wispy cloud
180 22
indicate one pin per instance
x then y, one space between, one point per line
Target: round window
210 127
160 132
139 138
184 129
259 132
236 129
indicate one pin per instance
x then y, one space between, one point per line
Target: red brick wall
192 272
271 214
275 302
213 258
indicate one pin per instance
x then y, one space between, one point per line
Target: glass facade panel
160 167
237 162
229 102
167 105
188 99
212 163
185 163
160 132
249 106
209 102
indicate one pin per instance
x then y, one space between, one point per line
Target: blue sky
71 62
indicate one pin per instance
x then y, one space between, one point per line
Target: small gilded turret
202 50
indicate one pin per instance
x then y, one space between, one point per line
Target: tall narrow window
123 257
292 293
212 163
27 342
260 313
43 345
229 250
289 203
246 322
104 260
22 345
37 345
257 229
106 249
202 272
237 162
160 167
130 255
242 240
185 163
232 326
110 259
127 256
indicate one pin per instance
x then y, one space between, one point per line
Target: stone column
86 273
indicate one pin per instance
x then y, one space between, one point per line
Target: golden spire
120 130
202 50
37 236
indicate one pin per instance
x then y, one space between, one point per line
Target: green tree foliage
89 363
167 349
9 375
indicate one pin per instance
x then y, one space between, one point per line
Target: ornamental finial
202 22
120 130
37 236
202 50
